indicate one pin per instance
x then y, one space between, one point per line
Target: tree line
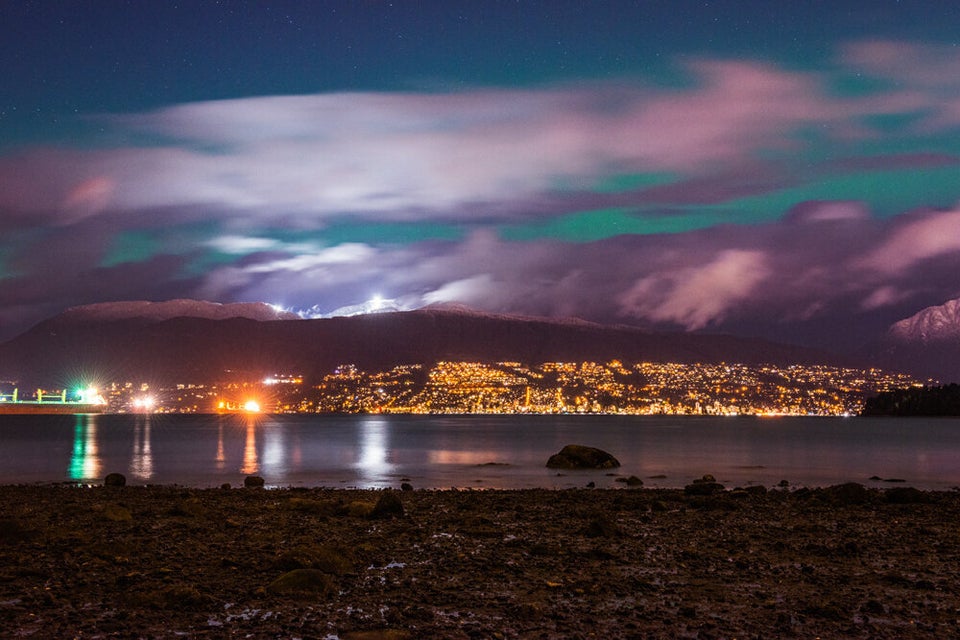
915 401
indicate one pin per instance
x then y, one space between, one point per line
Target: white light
376 302
90 395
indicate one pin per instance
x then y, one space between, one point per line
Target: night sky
788 170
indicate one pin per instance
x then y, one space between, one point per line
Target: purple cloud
914 240
695 297
404 156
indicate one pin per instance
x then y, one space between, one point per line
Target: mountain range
197 341
193 341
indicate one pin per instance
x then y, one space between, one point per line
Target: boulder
115 480
576 456
705 486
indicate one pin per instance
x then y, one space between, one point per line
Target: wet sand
171 562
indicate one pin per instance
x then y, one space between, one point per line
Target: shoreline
171 561
556 480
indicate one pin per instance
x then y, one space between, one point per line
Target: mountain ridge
198 349
939 322
926 344
169 309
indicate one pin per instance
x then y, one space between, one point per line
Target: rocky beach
705 562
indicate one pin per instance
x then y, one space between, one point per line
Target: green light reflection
85 459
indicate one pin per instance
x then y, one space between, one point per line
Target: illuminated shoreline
511 388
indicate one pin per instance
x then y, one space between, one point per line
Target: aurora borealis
787 170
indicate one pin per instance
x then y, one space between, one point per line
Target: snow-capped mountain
927 344
933 324
160 311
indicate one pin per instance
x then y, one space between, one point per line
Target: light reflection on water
85 460
374 447
221 457
477 458
250 464
141 464
440 452
274 451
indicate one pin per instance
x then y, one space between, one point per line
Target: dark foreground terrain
166 562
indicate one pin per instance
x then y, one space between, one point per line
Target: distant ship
88 401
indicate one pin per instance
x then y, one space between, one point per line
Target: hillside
201 349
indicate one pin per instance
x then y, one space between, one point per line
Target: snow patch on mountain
374 305
933 324
182 308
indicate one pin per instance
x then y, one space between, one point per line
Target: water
475 451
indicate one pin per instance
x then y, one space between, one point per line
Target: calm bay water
474 451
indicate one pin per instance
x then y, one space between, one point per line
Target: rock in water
704 486
115 480
577 456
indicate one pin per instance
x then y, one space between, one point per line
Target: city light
614 387
144 403
90 395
